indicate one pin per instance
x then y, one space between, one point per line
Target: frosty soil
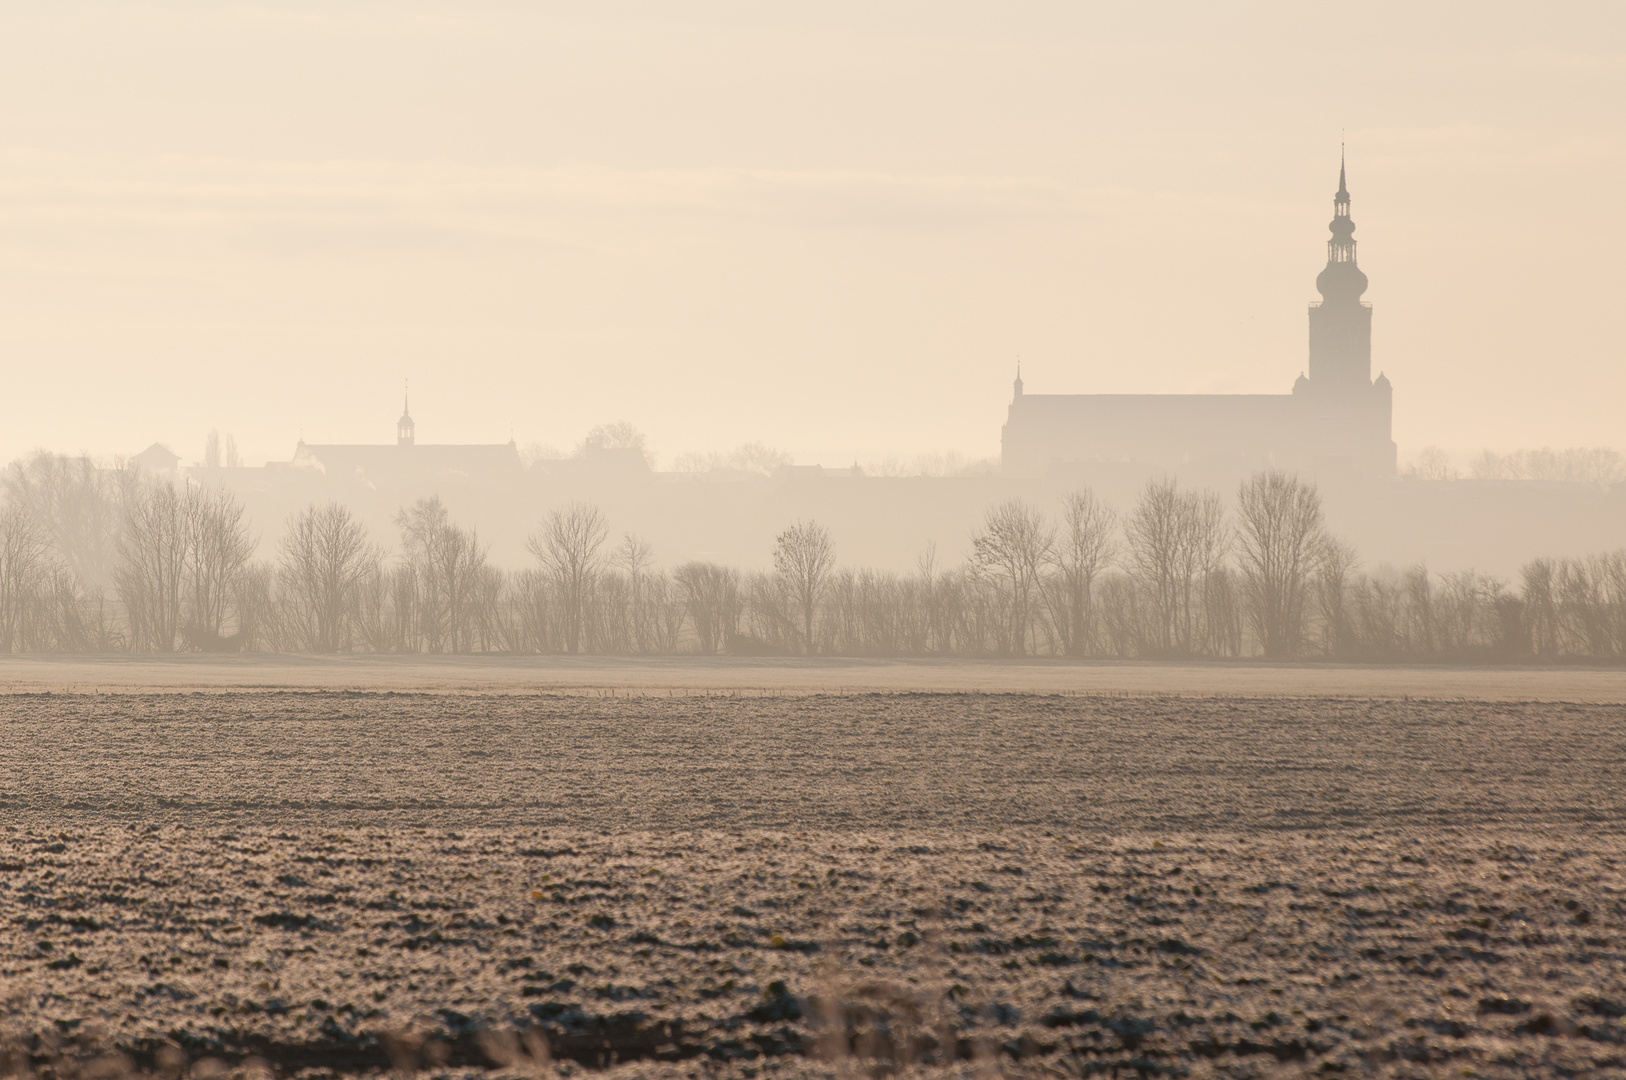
348 950
351 881
936 761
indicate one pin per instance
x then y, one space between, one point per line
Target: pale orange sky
831 227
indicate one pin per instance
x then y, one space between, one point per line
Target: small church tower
403 427
1341 324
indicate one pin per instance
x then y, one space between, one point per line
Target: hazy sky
828 226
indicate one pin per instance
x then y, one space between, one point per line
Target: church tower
404 427
1341 324
1345 413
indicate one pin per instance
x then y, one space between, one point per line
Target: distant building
405 463
595 461
157 458
1336 416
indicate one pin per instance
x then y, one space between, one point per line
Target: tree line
108 560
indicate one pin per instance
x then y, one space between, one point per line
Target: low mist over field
123 560
812 540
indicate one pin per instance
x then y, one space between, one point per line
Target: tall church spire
1341 325
1342 280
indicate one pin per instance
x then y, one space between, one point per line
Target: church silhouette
1336 418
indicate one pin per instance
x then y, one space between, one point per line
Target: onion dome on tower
1342 280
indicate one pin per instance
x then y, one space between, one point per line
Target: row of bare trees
71 534
1184 580
179 554
99 560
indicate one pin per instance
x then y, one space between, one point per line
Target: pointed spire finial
405 429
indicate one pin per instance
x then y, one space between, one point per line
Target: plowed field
350 882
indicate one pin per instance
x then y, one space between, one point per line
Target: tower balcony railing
1367 304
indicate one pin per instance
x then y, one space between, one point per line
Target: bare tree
1541 606
445 564
1283 543
488 585
79 507
1431 463
773 621
1338 561
803 558
711 595
323 562
748 458
1418 586
1204 547
933 589
218 545
635 557
1177 544
567 546
530 595
1012 548
1084 548
1156 532
22 566
211 450
151 568
259 615
619 435
665 612
1123 622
